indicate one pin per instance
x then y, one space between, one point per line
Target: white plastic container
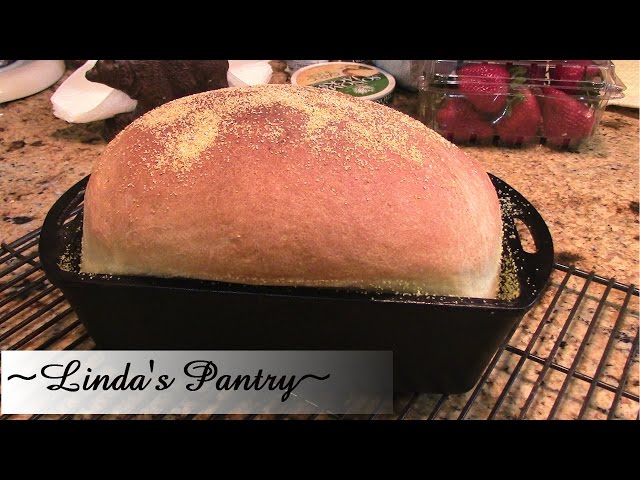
78 100
243 73
22 78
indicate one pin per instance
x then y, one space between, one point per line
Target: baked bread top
287 185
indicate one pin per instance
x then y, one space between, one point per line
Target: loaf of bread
286 185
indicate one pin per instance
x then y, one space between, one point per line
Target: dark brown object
154 82
278 65
74 64
279 75
279 78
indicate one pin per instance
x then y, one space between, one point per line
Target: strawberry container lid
594 78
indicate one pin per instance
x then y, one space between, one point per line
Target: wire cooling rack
573 356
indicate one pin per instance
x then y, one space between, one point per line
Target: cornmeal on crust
287 185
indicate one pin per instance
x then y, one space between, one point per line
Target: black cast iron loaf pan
440 344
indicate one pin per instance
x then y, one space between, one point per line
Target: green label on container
356 85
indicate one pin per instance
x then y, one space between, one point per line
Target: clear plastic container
517 102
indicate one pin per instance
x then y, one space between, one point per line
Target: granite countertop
588 199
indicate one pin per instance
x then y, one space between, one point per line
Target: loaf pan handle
538 265
54 232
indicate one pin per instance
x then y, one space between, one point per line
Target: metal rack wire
574 355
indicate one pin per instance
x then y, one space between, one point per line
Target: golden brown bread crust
285 185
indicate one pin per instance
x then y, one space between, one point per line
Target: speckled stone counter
40 157
589 200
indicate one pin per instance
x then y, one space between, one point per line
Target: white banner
188 382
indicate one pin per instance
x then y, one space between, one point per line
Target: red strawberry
569 73
566 121
485 86
521 123
458 120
